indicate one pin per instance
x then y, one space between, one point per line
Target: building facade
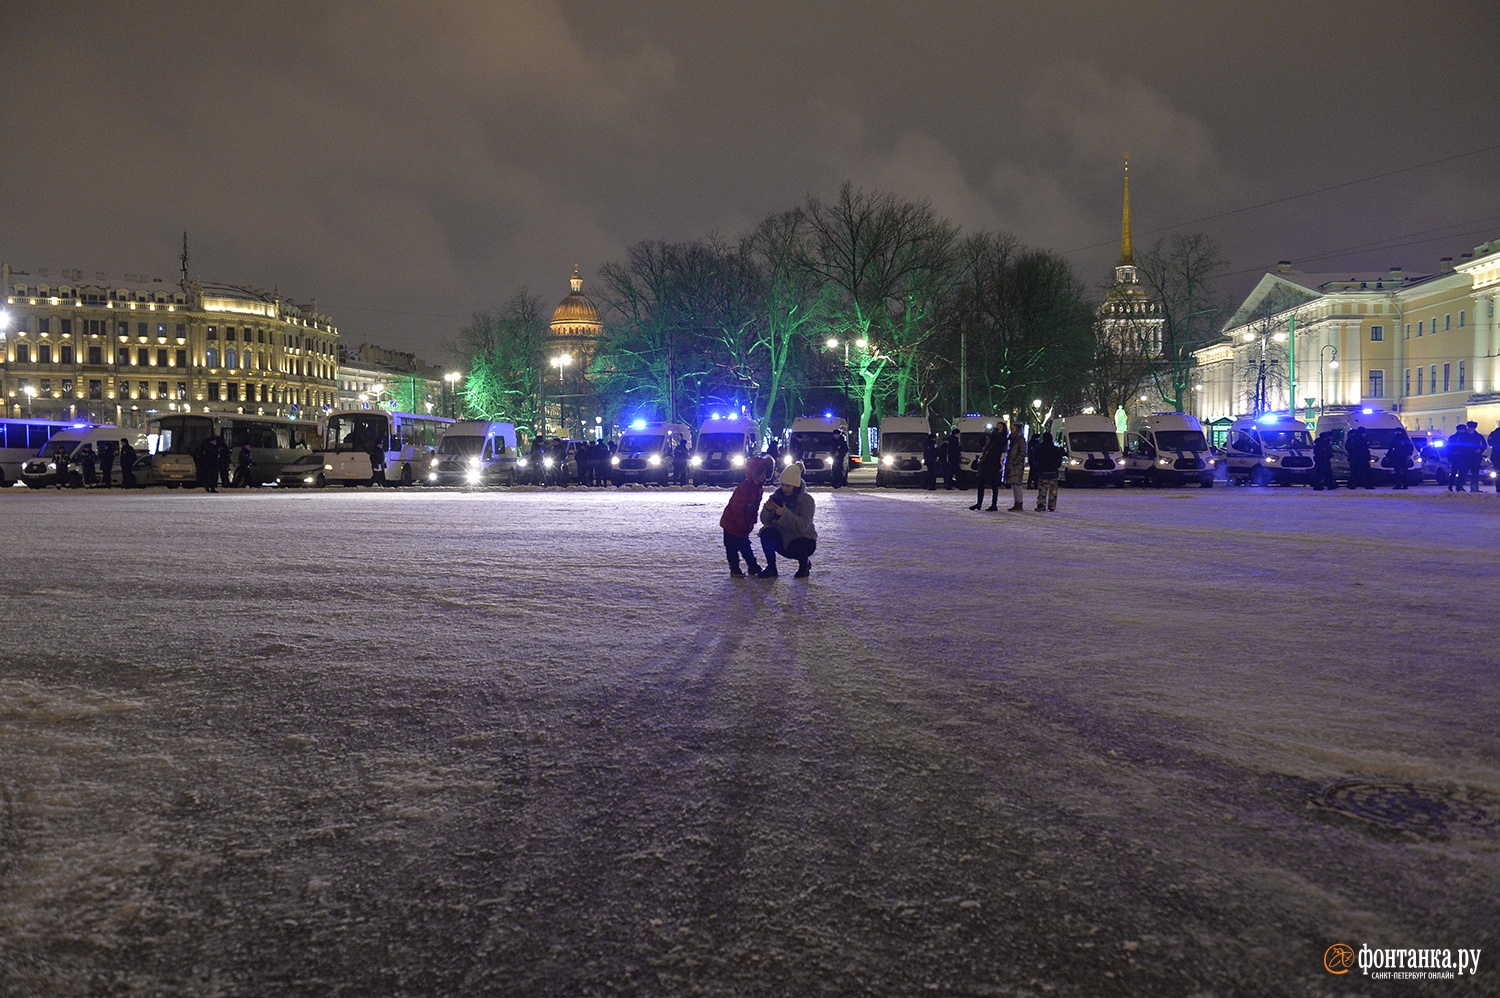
371 375
124 351
1422 346
569 405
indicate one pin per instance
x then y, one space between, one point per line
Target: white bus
21 439
373 446
274 441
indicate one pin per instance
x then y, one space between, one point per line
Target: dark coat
992 458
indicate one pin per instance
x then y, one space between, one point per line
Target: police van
645 452
58 462
1093 454
724 444
1270 449
1168 448
1380 429
475 452
814 440
903 439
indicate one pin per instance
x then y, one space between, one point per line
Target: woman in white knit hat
787 525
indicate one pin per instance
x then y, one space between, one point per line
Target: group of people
96 469
1006 458
215 463
1465 450
1466 447
786 521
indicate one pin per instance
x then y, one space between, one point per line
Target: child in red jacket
742 514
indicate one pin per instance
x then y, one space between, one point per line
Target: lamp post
451 379
561 361
30 393
834 343
1334 363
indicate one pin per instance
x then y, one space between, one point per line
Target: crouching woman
787 525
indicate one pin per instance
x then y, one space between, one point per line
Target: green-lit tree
503 351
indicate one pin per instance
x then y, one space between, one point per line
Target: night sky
408 164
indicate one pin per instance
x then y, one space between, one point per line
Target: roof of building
576 309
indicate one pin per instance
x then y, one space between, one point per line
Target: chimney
1283 266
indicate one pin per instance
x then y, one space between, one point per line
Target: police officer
127 464
1323 462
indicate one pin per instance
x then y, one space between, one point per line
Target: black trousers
771 544
736 548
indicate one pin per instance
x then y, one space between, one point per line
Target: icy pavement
539 743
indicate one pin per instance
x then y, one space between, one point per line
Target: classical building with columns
123 351
1423 346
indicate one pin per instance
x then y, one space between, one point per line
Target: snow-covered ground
539 743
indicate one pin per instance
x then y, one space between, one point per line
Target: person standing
242 476
739 516
224 455
990 466
1015 468
107 454
1477 442
1494 442
538 471
787 525
1400 455
127 464
680 456
1323 462
205 465
930 462
1461 459
840 460
560 461
90 469
1358 449
952 460
1048 460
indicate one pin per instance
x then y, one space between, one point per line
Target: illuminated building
573 343
122 351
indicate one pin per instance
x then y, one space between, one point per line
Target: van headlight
1072 462
614 461
474 462
546 462
696 462
520 462
327 467
786 461
432 476
887 460
1164 461
738 461
309 480
473 476
654 460
1271 459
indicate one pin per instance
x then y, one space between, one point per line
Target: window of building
1407 334
1377 333
44 353
230 361
213 332
142 357
1419 381
141 328
122 328
122 357
1460 318
67 325
66 353
1446 386
213 391
1420 323
23 353
44 325
1461 371
161 356
234 391
67 386
96 354
1432 380
1377 384
181 390
143 390
1406 389
96 388
182 358
211 357
1446 320
181 330
161 389
46 384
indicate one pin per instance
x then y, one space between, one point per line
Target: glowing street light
452 379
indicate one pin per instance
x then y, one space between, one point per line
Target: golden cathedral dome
575 315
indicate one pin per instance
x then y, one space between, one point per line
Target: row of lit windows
142 357
42 325
217 391
1432 379
1431 328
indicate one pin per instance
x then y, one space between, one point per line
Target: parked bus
373 446
274 441
21 439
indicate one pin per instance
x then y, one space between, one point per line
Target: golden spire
1127 257
577 281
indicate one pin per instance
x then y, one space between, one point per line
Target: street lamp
30 394
452 379
1334 363
560 362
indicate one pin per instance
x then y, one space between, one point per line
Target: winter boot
804 569
769 572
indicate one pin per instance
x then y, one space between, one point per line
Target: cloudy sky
406 164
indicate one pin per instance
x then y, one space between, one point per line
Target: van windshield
1285 439
461 446
810 441
1094 440
1181 440
1380 439
731 442
638 442
903 443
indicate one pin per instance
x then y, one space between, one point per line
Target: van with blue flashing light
814 440
475 452
903 440
1380 429
1093 453
973 432
1168 448
59 461
725 442
645 452
1269 449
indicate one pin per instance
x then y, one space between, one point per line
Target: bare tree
1178 275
